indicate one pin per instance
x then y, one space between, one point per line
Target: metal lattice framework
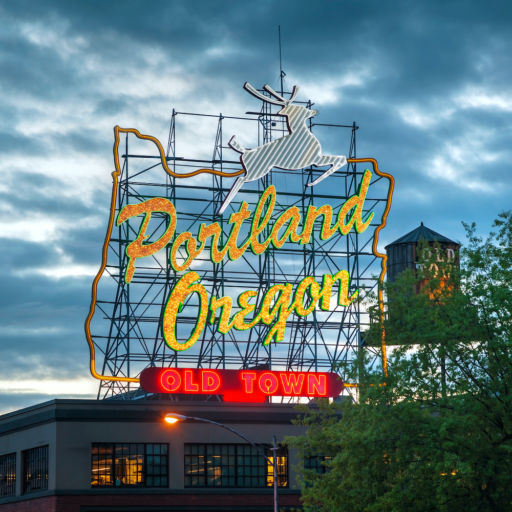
126 328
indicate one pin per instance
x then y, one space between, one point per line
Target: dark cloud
85 141
15 143
36 70
84 244
41 301
43 356
111 106
19 254
37 193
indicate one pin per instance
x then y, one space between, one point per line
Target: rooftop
422 233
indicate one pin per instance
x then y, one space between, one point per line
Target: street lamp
172 418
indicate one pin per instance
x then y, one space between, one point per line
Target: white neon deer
292 152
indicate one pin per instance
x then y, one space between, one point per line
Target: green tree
436 433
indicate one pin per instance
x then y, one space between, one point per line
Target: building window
8 474
233 465
35 469
317 463
129 465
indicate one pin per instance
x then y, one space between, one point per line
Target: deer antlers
279 100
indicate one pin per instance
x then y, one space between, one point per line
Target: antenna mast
282 74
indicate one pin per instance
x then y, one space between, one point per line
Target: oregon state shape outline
115 187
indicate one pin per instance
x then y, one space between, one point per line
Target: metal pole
274 462
242 436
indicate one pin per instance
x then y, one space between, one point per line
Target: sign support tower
129 337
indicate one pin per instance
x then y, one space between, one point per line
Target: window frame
40 457
8 478
232 475
131 449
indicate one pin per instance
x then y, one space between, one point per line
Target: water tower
403 253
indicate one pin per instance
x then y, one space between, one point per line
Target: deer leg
232 193
336 162
234 144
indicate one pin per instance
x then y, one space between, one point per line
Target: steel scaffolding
126 328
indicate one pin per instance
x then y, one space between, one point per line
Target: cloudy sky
428 82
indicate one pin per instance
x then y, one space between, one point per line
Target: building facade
120 455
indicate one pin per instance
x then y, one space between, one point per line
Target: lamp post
173 418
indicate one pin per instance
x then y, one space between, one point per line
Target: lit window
35 469
282 467
233 465
102 465
8 474
129 465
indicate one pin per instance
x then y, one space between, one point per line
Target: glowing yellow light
138 249
171 420
185 286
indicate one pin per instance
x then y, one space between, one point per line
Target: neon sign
280 301
240 385
250 228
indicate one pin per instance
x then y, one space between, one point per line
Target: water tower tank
402 253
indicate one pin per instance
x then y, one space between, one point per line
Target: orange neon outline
115 182
163 159
379 255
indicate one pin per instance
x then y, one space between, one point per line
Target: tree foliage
436 433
